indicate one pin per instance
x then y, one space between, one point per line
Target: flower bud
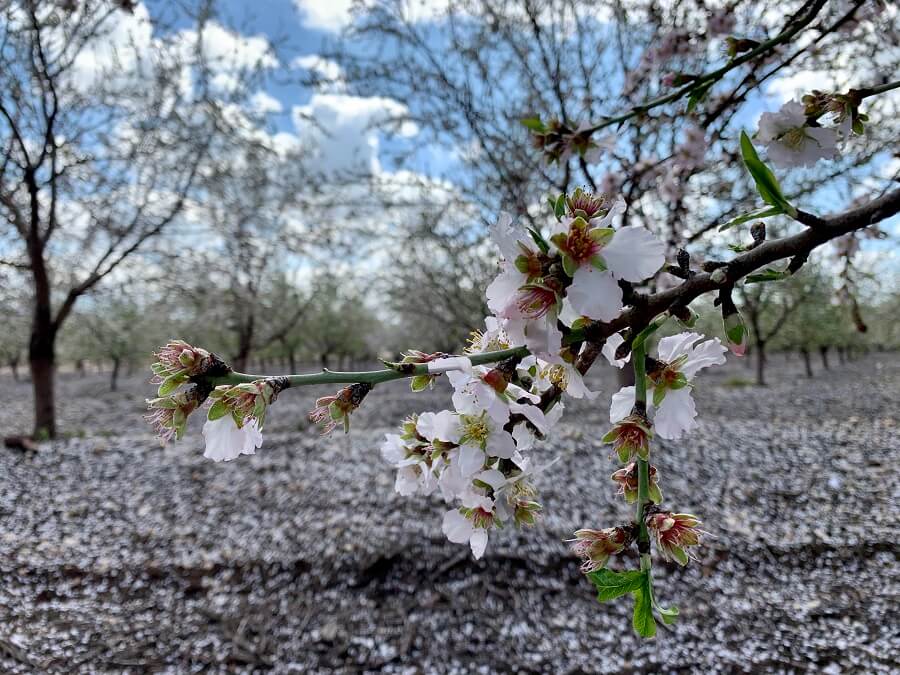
718 275
627 478
330 410
595 547
674 533
630 436
736 335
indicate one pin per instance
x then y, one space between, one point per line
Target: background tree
105 124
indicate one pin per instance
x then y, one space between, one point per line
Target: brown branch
798 245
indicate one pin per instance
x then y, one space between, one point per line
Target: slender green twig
638 359
708 79
365 376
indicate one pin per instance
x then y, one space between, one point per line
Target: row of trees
142 181
320 322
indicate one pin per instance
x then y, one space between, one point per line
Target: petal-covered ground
117 555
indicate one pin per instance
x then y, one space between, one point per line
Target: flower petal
675 414
595 294
621 404
456 527
609 350
634 254
478 542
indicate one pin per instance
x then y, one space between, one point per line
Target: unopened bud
718 275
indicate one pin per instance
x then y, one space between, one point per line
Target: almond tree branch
644 307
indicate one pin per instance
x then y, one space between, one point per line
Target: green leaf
764 212
533 124
539 240
767 274
766 183
559 209
669 615
698 94
642 620
216 411
611 585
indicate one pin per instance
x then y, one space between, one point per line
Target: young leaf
611 585
539 240
753 215
766 183
697 95
642 620
559 209
533 124
767 274
669 615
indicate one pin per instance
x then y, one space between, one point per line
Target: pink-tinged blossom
176 363
226 441
789 140
330 410
596 256
675 532
670 405
168 414
470 524
595 547
486 390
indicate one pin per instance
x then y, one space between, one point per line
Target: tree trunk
79 366
42 363
841 355
292 361
824 352
242 356
760 363
42 344
114 376
807 363
14 367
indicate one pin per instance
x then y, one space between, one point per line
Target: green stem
639 363
366 376
638 357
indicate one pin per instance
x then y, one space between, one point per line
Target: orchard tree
105 120
588 282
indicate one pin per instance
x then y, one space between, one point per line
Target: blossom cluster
476 456
795 136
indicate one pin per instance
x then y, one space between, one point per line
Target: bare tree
103 137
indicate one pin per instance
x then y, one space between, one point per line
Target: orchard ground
119 556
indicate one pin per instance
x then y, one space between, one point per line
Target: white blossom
790 142
679 356
226 441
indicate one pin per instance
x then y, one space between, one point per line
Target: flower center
580 246
794 138
475 429
535 300
557 376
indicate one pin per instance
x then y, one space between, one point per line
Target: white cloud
262 103
342 129
325 68
327 15
334 15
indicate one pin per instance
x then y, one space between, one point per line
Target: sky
334 124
